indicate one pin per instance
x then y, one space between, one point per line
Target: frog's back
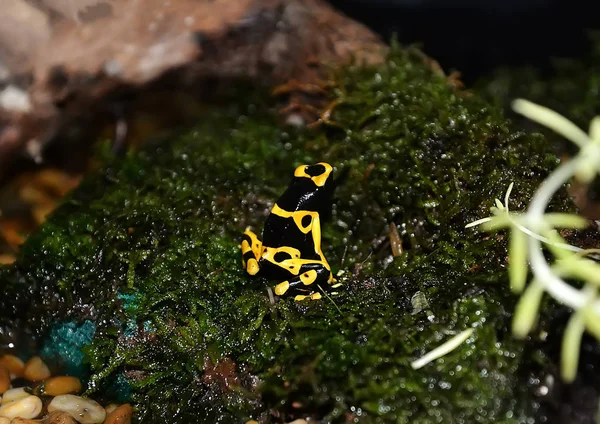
282 232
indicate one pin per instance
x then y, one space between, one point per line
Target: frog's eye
318 173
315 170
282 256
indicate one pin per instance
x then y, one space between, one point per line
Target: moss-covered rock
147 249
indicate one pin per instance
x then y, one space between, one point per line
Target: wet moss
147 248
570 86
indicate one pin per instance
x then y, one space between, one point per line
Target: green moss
151 241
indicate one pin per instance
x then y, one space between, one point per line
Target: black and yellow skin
291 246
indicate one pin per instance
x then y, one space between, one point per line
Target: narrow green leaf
595 129
526 311
551 119
478 222
571 345
588 168
592 321
496 223
566 220
517 260
443 349
507 195
584 269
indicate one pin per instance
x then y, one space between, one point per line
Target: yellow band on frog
320 179
297 216
308 277
281 288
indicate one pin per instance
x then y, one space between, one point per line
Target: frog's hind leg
308 283
251 250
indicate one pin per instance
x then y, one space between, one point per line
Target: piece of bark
83 68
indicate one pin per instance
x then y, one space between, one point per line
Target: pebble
4 379
14 394
85 411
55 417
61 385
27 407
58 417
13 364
36 370
20 420
18 406
110 407
121 415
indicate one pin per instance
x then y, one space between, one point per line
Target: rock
85 411
110 408
59 417
20 420
13 364
36 370
60 385
75 66
12 395
402 129
27 407
4 379
121 415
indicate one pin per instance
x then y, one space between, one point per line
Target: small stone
55 417
12 395
85 411
27 407
4 379
58 417
121 415
20 420
61 385
110 407
13 364
36 370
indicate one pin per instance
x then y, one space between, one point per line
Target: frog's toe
300 297
252 267
281 288
314 296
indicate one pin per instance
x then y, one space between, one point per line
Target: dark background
475 36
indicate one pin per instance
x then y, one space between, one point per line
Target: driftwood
65 64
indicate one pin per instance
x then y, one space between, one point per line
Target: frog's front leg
251 250
313 276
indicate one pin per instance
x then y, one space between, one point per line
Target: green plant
534 230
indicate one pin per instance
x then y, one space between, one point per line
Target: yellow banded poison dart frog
291 247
